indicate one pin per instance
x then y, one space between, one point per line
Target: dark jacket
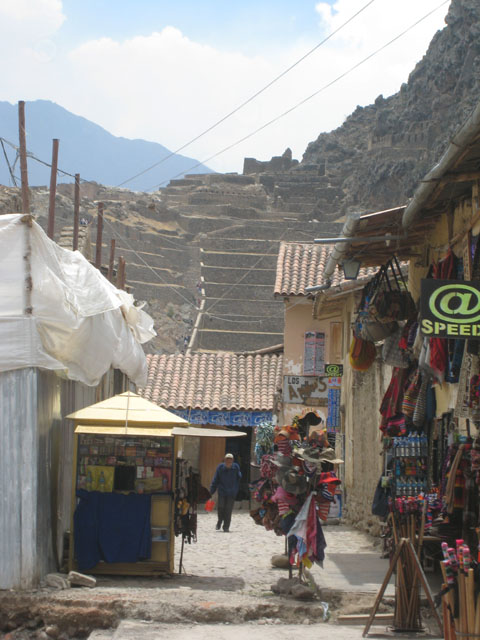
226 480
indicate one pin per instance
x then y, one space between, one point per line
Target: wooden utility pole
23 157
76 210
98 254
53 190
121 273
111 262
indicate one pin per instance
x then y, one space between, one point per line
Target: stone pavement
129 630
352 563
227 583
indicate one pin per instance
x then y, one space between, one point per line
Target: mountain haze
85 148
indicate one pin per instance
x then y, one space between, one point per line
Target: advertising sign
311 390
334 370
450 309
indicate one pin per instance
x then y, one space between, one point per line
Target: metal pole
121 273
112 260
23 157
53 190
76 210
98 255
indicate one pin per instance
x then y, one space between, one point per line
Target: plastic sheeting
80 323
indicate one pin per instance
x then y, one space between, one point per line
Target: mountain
377 157
85 148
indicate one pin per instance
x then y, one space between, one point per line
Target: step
232 275
242 244
239 291
246 323
238 260
237 340
222 306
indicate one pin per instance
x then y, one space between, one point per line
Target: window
314 354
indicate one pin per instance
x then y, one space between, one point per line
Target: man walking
227 481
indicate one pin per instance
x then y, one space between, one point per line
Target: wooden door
212 452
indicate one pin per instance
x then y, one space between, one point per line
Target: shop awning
206 433
127 409
125 431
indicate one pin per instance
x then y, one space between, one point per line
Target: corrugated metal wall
18 477
36 446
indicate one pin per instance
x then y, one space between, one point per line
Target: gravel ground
227 582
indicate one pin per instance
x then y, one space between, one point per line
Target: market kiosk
124 486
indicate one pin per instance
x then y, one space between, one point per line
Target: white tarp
80 323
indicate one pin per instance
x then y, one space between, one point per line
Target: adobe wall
362 394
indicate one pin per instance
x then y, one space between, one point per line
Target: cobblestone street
240 560
227 584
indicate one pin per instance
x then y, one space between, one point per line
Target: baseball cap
229 455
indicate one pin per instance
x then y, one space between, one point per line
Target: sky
165 70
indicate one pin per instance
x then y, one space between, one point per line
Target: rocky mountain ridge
377 157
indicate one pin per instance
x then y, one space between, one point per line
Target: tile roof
214 381
301 265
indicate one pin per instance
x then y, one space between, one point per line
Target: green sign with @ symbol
450 309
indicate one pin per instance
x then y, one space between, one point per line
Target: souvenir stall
296 488
429 417
131 494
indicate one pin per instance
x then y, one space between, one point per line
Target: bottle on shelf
101 482
89 481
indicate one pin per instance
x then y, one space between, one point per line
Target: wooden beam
53 190
468 176
76 211
23 157
98 246
111 260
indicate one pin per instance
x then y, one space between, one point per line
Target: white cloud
168 88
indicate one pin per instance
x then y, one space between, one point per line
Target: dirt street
228 582
133 631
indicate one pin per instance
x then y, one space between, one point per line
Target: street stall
429 417
131 493
296 488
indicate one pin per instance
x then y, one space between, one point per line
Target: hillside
376 158
223 230
85 148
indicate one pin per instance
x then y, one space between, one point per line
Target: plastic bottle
89 481
101 482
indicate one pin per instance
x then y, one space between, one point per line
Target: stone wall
362 394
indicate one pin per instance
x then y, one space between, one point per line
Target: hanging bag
396 302
362 353
367 324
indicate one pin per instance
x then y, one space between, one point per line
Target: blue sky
167 70
249 25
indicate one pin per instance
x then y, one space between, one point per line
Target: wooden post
111 262
53 190
76 210
23 157
121 273
98 255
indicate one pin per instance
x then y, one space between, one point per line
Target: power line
248 100
302 102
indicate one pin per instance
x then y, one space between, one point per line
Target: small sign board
334 370
450 309
311 390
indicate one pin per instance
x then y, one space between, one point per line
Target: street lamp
351 269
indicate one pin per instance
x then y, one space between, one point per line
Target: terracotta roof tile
214 381
301 265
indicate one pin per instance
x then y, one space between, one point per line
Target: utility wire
10 170
248 100
302 102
